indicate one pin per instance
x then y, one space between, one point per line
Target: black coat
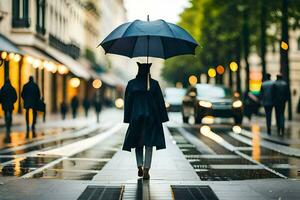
281 92
145 112
8 97
75 103
31 95
97 102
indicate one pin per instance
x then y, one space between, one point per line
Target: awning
36 53
8 46
75 67
111 79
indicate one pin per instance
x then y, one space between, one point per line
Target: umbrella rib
136 38
169 28
128 29
121 36
163 47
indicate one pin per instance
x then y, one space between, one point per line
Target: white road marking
232 148
74 148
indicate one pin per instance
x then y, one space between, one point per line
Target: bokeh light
193 80
284 45
97 83
212 73
119 102
233 66
75 82
220 69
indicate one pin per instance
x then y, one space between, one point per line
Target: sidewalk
53 119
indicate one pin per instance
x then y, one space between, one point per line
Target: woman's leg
139 160
148 157
147 164
139 156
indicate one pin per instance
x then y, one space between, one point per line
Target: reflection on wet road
23 156
232 155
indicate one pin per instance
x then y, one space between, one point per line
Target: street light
193 80
62 69
233 66
284 45
17 58
75 82
3 55
97 83
220 69
211 73
119 103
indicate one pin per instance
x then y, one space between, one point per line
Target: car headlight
237 104
205 104
167 104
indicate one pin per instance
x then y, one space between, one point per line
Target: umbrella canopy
157 38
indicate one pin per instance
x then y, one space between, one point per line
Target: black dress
145 112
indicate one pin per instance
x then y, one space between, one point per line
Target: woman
145 112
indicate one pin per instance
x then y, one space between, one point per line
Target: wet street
76 153
218 151
221 151
46 155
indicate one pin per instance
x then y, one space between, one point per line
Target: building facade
56 42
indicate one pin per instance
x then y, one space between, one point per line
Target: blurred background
56 42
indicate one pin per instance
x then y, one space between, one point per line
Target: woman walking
145 112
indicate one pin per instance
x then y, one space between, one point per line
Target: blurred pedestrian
74 106
98 104
266 98
31 97
145 111
86 105
8 96
281 95
63 109
251 104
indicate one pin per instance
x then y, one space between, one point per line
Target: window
20 14
40 16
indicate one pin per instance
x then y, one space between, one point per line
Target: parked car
211 100
173 98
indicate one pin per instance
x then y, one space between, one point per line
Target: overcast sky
157 9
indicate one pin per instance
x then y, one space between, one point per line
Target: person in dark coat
281 95
31 96
98 104
145 111
266 97
8 96
74 106
63 109
86 106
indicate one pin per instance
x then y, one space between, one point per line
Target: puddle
220 161
234 174
66 175
18 138
22 166
49 145
80 165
